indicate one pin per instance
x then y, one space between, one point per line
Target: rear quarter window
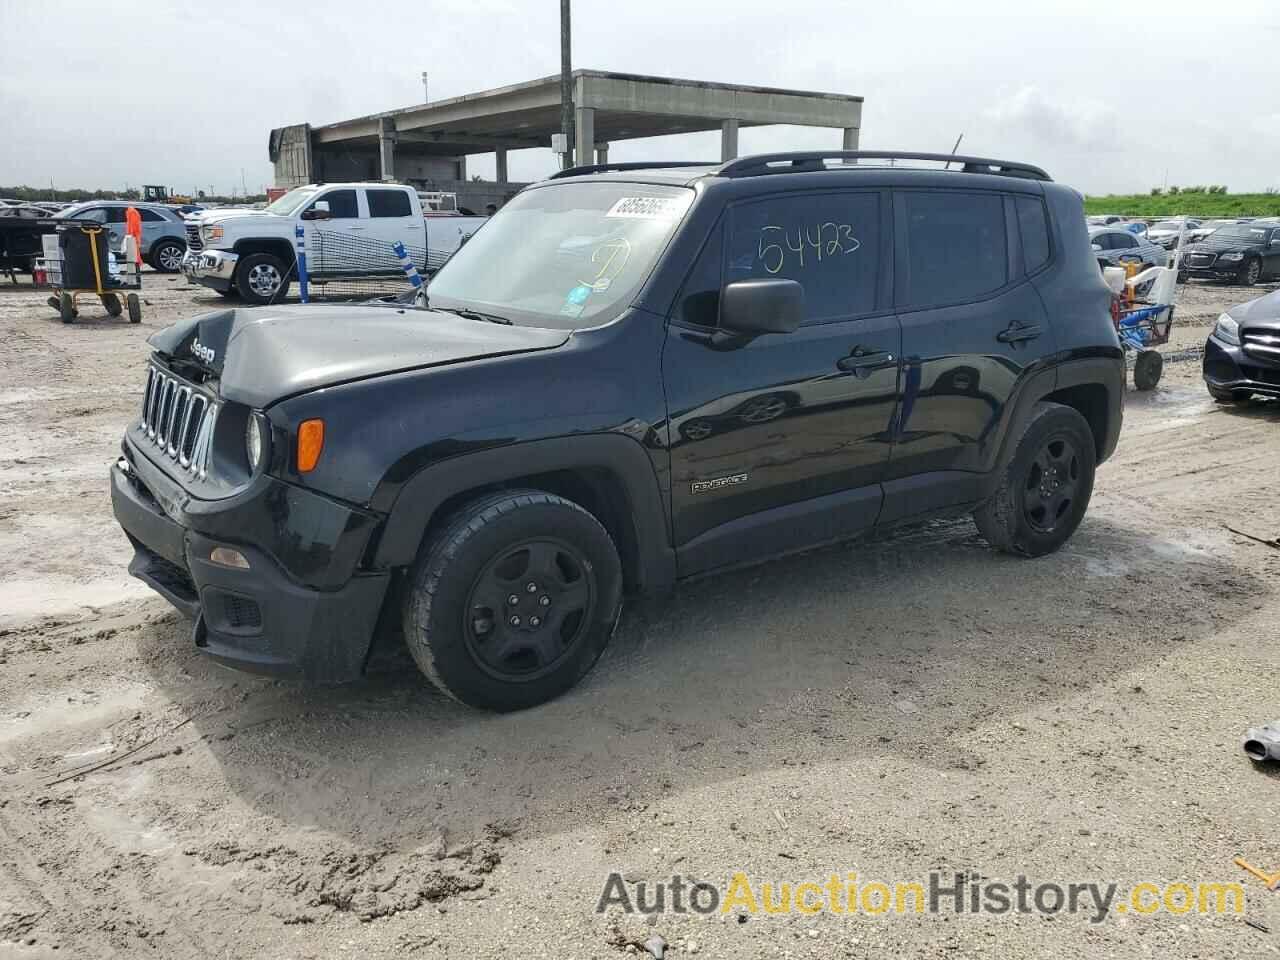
1033 228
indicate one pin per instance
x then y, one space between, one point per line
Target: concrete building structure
427 145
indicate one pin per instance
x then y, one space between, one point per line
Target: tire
253 279
135 308
467 636
67 308
1250 273
166 256
1228 396
1034 511
112 304
1147 369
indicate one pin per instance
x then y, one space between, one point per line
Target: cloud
1032 117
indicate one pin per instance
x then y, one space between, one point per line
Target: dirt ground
892 707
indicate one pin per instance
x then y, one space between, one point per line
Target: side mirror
762 306
317 211
1095 246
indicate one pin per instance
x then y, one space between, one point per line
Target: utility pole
425 98
566 85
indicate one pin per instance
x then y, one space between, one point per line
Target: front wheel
1147 369
1045 490
261 279
513 600
1250 273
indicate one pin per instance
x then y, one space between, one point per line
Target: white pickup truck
350 231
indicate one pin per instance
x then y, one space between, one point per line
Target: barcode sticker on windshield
648 208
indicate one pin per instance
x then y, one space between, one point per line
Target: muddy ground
888 707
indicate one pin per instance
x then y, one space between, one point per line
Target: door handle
862 361
1016 333
353 229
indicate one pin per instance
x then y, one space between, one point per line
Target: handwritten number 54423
825 240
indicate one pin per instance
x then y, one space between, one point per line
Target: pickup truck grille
1263 345
194 240
178 419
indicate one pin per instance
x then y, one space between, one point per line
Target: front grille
1265 346
178 419
1201 259
194 240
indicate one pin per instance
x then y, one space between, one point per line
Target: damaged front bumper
210 268
1231 367
305 608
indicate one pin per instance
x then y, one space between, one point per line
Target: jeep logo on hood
202 352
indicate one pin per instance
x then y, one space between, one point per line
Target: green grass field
1190 204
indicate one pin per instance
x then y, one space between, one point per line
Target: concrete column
462 168
585 129
728 140
500 161
387 147
850 138
602 153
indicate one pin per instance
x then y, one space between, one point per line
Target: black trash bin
78 251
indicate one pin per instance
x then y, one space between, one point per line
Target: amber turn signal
310 443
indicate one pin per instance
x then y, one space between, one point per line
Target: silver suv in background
164 237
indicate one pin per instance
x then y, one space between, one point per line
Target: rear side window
829 243
1033 226
150 216
956 247
342 204
388 203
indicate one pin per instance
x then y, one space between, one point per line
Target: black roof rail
808 160
632 165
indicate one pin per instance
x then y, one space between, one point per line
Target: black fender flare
1107 371
621 456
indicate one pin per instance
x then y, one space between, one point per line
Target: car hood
267 354
1262 313
1212 244
221 216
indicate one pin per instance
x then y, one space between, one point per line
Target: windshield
291 201
567 255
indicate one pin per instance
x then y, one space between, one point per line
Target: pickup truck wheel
166 256
1045 490
513 600
261 279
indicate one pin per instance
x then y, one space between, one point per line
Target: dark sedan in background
1244 253
1242 355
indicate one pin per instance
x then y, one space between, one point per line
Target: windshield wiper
474 315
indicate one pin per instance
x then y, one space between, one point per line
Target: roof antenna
954 149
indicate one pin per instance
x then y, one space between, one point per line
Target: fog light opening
226 557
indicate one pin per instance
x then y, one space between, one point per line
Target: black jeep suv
631 375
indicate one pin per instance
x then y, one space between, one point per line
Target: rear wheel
135 308
1045 490
513 600
166 256
112 304
1147 369
67 308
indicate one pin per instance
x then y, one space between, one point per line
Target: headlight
1227 330
211 233
253 442
1232 256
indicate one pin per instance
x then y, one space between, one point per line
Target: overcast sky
140 91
